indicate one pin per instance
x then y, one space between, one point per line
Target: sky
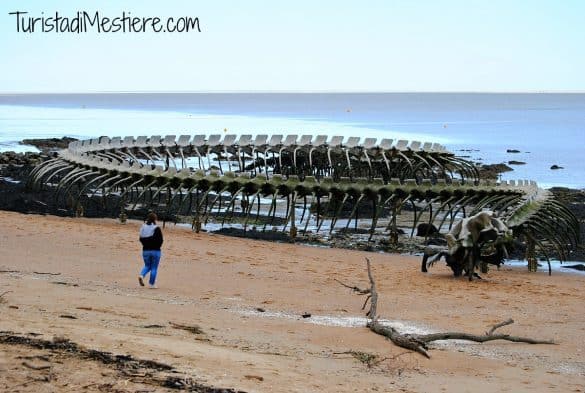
304 45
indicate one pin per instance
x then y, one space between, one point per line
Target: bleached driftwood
418 342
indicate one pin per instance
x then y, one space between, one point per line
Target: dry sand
217 283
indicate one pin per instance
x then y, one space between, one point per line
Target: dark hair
151 218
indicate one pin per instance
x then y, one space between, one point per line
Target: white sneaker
152 286
141 281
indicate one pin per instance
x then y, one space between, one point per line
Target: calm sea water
547 128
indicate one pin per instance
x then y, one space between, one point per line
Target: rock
49 144
512 151
516 162
493 170
579 266
556 167
426 229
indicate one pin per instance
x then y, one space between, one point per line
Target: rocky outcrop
14 170
46 145
492 171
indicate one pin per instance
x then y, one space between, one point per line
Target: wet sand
218 284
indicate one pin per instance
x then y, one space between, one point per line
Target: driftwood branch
499 325
358 290
366 302
418 342
427 338
373 312
402 340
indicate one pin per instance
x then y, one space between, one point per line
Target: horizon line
298 92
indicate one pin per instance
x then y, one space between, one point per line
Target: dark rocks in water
516 162
12 161
578 266
49 143
15 196
351 230
267 235
365 208
493 170
555 166
14 170
512 151
570 197
426 229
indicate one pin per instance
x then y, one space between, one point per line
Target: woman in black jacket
151 239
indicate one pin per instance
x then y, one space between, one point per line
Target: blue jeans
151 260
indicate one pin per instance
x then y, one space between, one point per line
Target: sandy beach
228 314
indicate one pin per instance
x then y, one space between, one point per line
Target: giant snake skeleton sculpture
200 175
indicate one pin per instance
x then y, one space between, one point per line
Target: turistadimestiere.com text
87 22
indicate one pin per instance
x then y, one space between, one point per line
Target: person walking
152 239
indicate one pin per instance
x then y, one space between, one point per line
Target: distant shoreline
284 92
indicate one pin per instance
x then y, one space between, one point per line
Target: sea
545 128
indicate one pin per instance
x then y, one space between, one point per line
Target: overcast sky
304 45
